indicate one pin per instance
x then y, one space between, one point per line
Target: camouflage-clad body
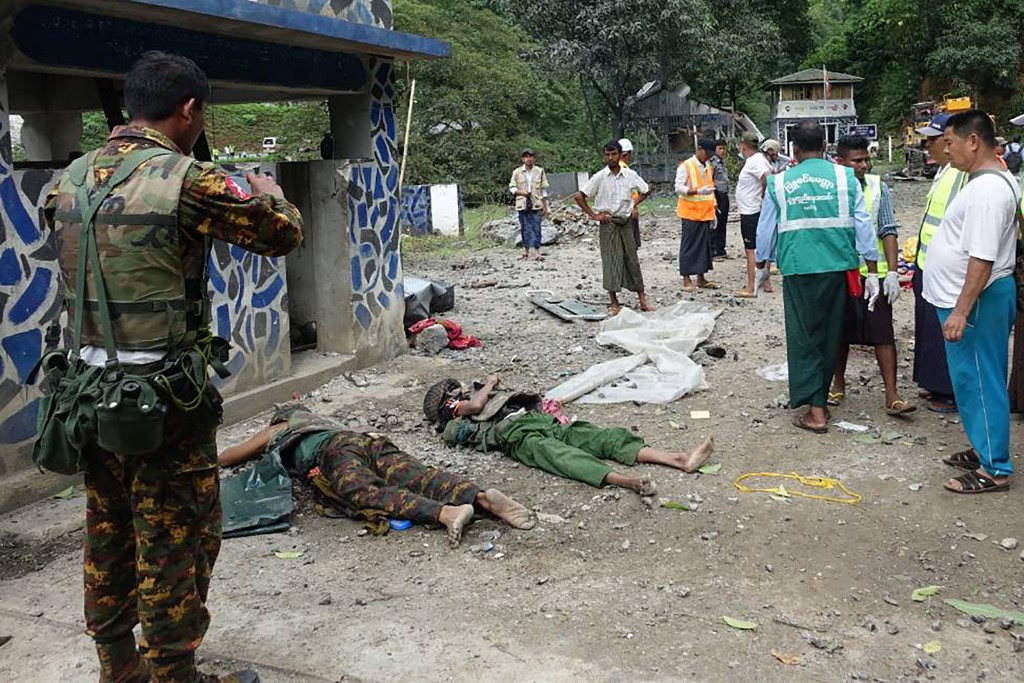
371 475
153 520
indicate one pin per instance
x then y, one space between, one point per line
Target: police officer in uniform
153 519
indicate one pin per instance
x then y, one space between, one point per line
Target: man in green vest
153 519
816 219
931 372
862 326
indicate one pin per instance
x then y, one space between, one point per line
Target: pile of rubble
563 221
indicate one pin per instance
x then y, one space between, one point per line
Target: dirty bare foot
455 518
692 461
501 506
647 487
642 485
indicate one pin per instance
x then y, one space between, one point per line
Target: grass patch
471 240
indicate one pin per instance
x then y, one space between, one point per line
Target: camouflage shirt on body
212 204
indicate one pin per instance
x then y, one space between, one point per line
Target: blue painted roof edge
306 22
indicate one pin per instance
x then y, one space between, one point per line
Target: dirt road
607 588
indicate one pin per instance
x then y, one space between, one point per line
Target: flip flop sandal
710 285
899 407
835 398
943 407
800 422
972 482
744 294
964 460
690 290
614 310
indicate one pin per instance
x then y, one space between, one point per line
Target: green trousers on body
814 305
577 450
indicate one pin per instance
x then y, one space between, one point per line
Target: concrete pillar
350 126
320 271
51 136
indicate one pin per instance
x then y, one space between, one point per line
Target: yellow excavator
918 161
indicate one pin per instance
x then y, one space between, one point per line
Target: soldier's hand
264 184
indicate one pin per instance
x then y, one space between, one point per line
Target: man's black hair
974 121
159 83
851 143
721 143
708 145
808 136
613 146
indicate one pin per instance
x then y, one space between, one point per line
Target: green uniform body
578 450
153 520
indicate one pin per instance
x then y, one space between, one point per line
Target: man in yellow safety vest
862 325
930 370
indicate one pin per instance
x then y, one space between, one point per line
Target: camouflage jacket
158 256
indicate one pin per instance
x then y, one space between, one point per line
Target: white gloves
706 190
871 290
760 277
891 287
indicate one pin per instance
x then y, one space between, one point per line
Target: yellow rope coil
826 483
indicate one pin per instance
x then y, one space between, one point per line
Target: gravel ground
608 588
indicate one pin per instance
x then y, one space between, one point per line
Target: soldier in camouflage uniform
367 476
153 521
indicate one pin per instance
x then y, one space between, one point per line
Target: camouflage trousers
153 533
371 473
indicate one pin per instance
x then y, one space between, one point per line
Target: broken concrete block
432 339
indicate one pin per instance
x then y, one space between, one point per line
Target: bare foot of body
504 508
455 518
644 486
687 461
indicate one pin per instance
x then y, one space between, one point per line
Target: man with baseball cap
930 370
624 161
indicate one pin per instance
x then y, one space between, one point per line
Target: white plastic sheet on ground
774 373
660 369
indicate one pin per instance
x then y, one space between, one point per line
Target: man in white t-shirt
969 279
749 196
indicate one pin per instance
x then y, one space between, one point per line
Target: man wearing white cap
625 160
772 151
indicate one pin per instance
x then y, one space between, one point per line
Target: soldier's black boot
120 662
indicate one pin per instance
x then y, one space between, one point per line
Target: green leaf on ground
673 505
868 438
288 554
891 437
931 647
66 493
740 624
920 594
713 468
988 611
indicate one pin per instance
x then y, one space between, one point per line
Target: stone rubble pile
564 221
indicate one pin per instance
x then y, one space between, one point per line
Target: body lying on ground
514 424
367 477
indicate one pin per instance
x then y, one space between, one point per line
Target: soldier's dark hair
851 143
159 83
613 146
808 136
974 121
